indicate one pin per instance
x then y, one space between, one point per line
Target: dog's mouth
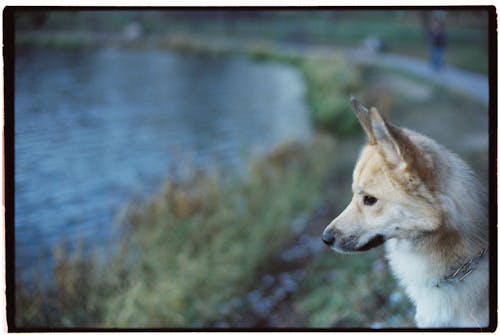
351 244
372 243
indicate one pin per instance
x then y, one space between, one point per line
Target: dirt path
468 83
474 85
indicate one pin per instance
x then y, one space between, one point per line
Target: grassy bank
190 250
353 291
202 244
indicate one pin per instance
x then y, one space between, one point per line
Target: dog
426 205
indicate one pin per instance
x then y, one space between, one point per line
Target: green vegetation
57 40
329 83
353 291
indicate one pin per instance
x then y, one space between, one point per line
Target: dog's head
392 187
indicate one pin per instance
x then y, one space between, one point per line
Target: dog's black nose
328 237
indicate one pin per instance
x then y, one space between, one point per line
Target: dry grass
189 250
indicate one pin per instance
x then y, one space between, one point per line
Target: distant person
437 39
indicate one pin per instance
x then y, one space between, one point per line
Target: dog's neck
461 241
445 255
453 256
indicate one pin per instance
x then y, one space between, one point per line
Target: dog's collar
463 271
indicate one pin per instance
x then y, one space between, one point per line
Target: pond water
94 129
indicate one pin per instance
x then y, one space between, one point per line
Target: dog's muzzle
335 241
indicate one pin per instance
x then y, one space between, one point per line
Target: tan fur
431 212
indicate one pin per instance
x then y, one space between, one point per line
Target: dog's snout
328 237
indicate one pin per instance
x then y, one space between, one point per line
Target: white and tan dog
427 206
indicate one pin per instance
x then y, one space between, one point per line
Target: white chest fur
440 304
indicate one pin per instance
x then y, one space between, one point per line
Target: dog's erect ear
397 148
379 132
387 138
363 115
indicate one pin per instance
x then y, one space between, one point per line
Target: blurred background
175 168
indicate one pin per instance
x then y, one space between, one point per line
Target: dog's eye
369 200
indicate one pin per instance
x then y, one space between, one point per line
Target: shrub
330 83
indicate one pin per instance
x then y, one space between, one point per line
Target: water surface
95 129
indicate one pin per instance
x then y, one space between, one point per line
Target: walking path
471 84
